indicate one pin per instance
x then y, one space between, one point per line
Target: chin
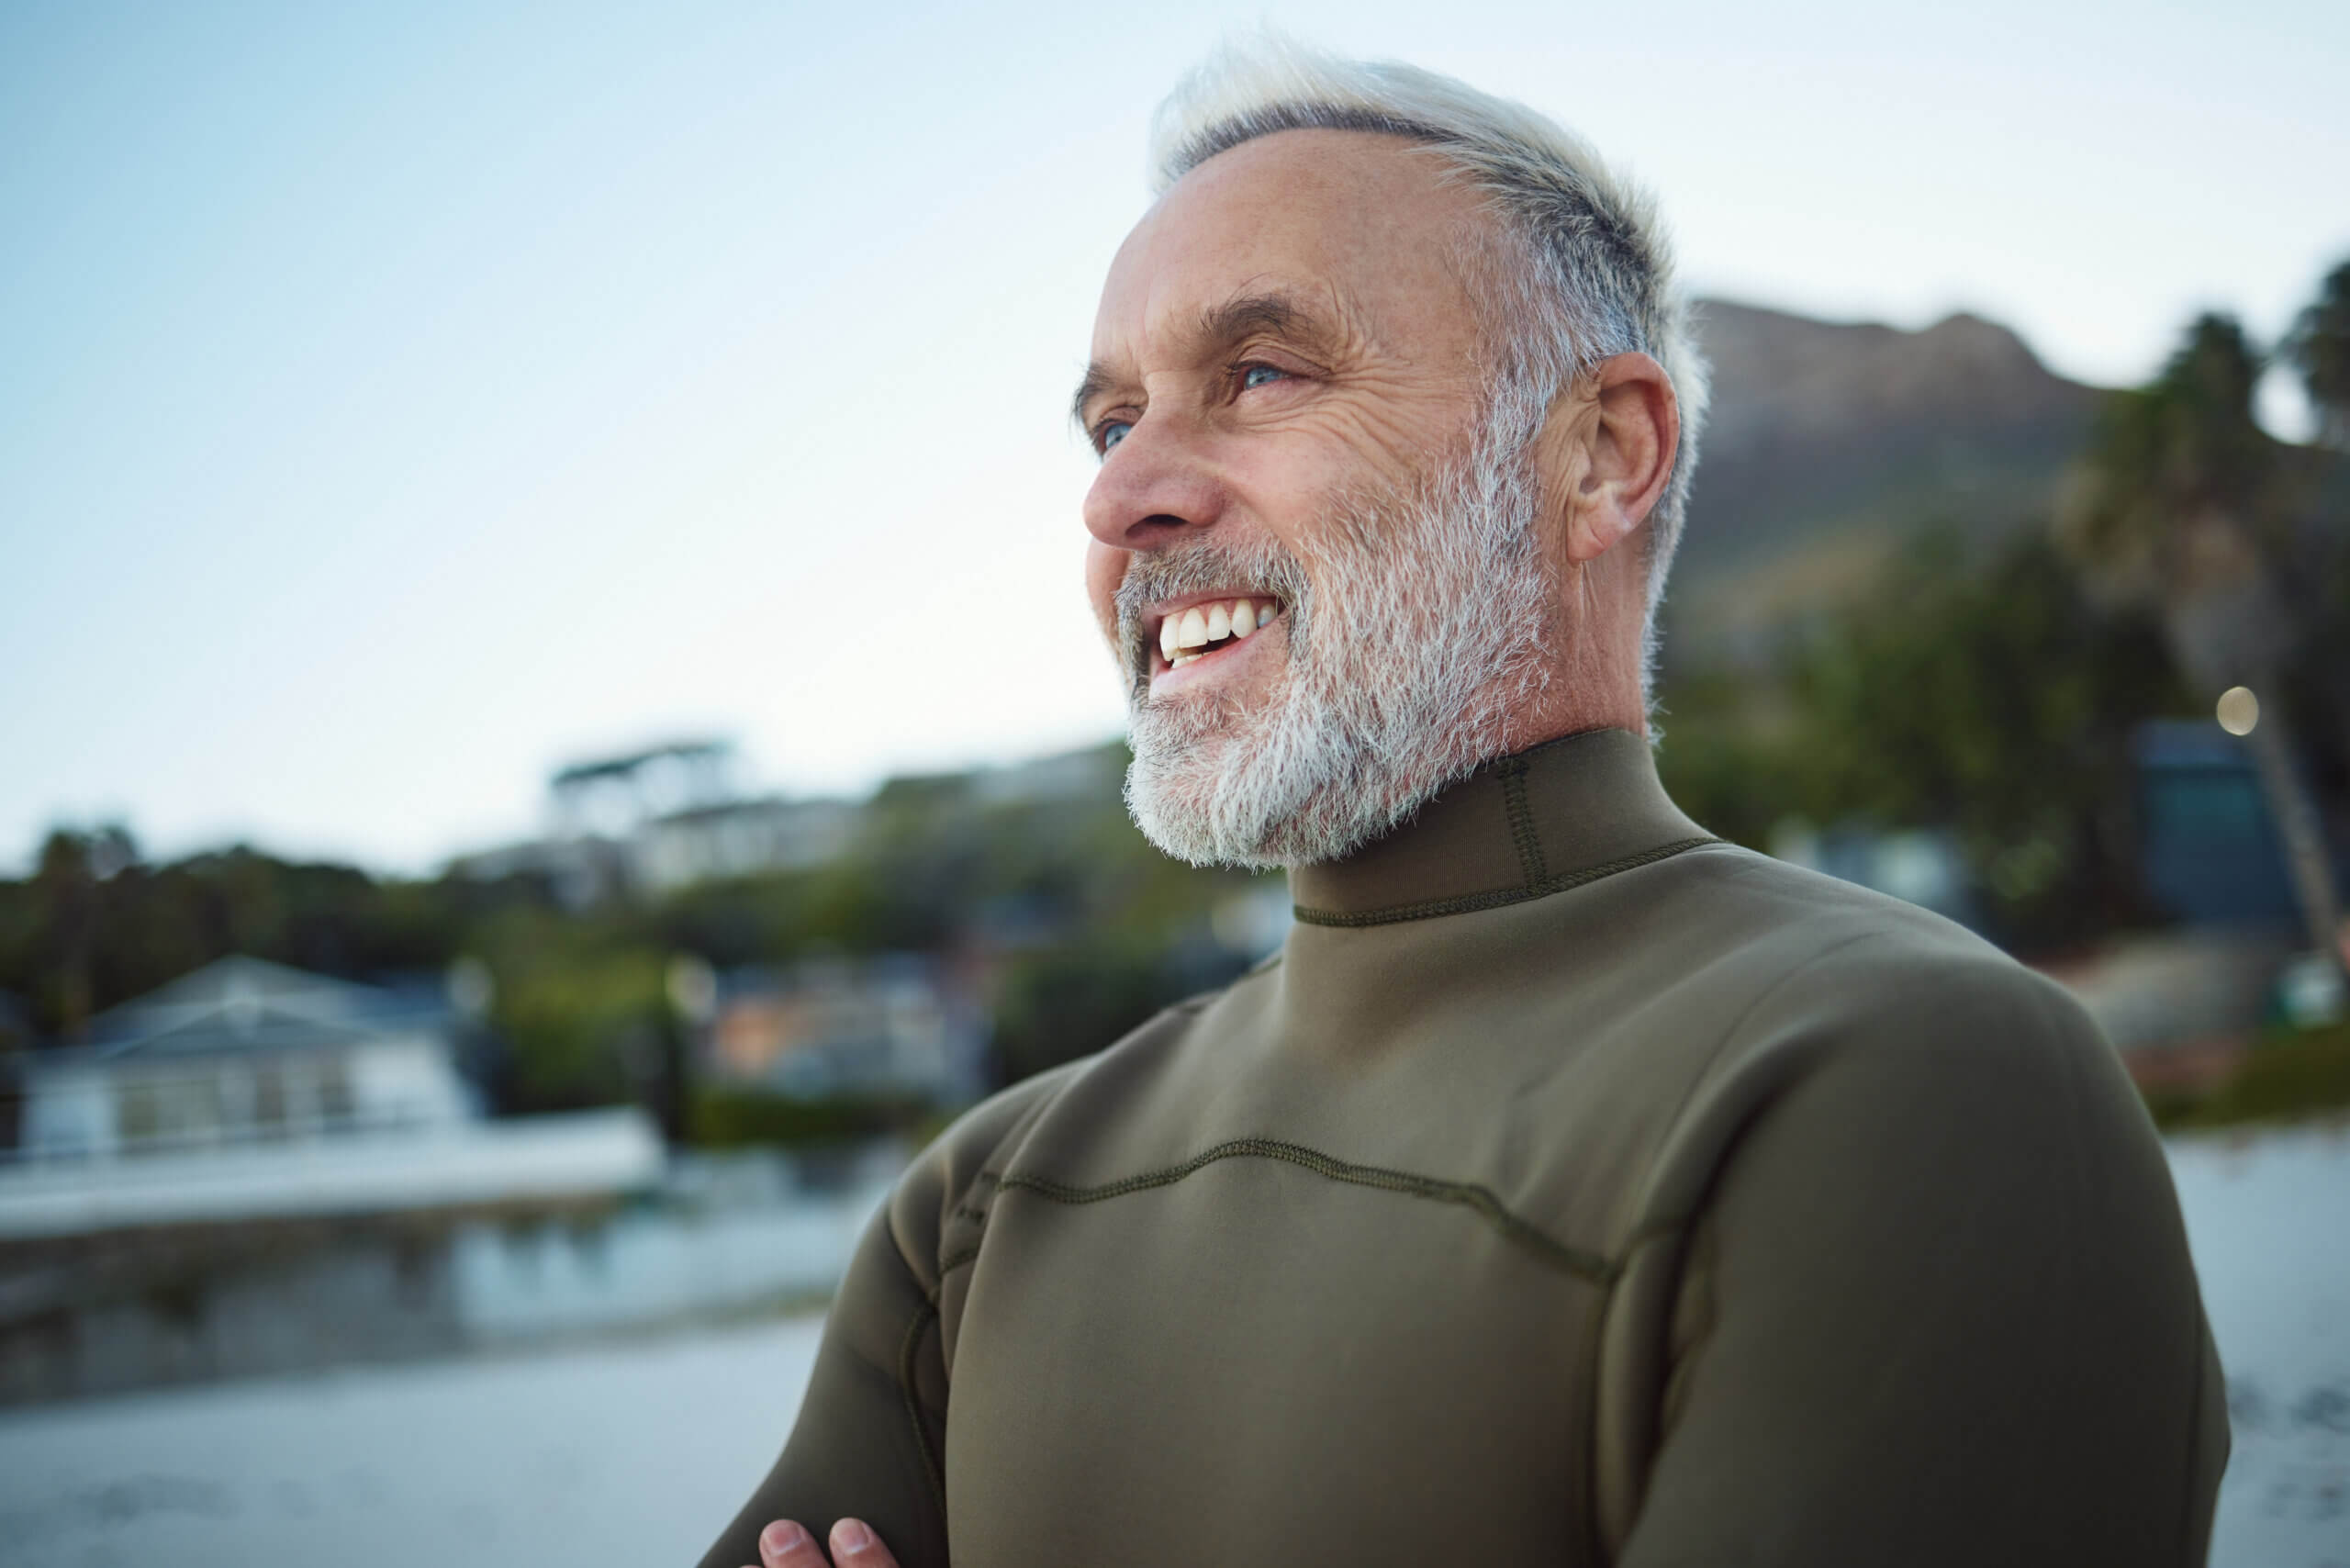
1282 786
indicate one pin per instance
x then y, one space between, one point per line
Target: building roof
238 1003
628 764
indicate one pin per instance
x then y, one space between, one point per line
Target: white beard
1410 641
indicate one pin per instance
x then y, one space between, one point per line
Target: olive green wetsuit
1571 1189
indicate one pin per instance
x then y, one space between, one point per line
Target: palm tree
2320 348
2171 508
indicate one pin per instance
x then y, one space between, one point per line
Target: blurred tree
720 1118
2320 348
1039 886
2176 504
585 1010
64 940
1073 1000
1991 699
1728 753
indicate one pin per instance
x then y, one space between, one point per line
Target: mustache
1198 568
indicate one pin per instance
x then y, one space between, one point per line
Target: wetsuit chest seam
1478 1199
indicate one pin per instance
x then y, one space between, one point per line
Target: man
1572 1187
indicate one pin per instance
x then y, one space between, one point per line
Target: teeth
1185 637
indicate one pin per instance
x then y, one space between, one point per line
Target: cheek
1285 492
1297 476
1104 569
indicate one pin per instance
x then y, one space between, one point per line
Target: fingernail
850 1536
782 1536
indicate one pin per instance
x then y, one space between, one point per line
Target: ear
1610 446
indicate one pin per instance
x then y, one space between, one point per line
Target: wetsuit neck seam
1522 831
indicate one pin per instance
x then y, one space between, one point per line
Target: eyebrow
1097 381
1275 312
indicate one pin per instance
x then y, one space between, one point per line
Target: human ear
1627 428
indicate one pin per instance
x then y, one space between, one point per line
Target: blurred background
551 735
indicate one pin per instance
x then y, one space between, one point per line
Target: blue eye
1111 435
1256 375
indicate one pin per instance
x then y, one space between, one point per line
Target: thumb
855 1546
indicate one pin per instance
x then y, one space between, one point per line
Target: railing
227 1137
577 1153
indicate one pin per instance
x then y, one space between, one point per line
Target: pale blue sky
396 401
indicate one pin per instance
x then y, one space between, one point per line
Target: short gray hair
1594 275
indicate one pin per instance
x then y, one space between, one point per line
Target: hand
784 1544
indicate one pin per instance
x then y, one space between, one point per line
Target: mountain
1831 442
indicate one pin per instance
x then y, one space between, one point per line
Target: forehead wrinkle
1276 310
1317 316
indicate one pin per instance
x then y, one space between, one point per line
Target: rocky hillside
1829 442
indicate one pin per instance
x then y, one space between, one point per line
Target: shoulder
943 1189
1845 969
1907 1253
941 1178
1798 954
1863 1027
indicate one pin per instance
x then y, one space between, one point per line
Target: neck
1522 826
1592 685
1594 680
1477 884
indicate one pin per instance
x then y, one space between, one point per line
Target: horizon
402 404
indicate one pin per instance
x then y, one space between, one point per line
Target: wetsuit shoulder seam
934 1472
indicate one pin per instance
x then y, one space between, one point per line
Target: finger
855 1546
784 1544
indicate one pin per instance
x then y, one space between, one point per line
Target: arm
872 1428
870 1443
1931 1302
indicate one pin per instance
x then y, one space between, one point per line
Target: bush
735 1118
2284 1076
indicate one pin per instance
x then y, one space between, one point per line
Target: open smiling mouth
1199 630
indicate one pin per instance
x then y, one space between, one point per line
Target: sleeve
1929 1300
872 1428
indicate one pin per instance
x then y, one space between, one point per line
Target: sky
400 402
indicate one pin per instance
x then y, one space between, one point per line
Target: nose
1155 487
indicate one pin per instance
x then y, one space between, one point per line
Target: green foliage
1994 699
94 925
585 1011
1729 753
2170 458
1069 1001
735 1118
1993 695
2319 349
2288 1076
1087 928
1983 694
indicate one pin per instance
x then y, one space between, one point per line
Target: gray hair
1592 274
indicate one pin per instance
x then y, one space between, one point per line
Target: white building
243 1052
739 838
248 1090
